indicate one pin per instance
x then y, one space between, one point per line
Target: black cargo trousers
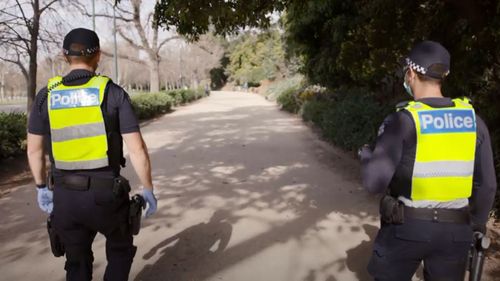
80 212
398 251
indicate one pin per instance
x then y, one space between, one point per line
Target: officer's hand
364 152
150 200
44 199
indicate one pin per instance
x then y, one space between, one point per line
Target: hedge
148 105
12 134
348 118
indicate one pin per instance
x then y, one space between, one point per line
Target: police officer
84 119
434 159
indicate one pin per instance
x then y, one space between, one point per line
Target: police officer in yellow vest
84 119
433 158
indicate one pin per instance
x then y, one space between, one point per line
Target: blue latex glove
44 198
150 200
364 152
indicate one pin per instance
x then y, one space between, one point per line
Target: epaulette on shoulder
402 105
104 76
466 99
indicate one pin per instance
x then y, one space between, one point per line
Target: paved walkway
246 192
12 108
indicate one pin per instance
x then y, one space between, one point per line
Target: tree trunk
33 55
154 76
2 86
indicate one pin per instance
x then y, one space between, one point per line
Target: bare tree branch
47 6
10 14
168 40
121 10
18 63
109 17
8 41
138 26
108 54
130 41
18 37
26 21
204 48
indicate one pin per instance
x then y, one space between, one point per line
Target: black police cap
427 54
87 40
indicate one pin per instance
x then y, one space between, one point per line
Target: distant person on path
84 118
207 90
434 159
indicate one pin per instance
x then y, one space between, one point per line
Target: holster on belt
121 186
50 181
137 203
55 242
391 210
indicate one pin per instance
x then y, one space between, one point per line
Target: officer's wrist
41 186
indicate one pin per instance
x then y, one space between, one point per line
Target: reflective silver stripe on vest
454 204
443 169
82 165
78 132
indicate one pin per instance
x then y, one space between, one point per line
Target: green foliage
177 98
196 17
314 110
351 44
253 58
218 77
148 105
289 101
277 88
348 118
353 119
12 134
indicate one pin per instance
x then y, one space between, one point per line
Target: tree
193 18
141 33
255 57
360 43
20 35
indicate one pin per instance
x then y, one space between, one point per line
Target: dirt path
246 193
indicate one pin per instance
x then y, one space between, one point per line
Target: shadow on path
182 254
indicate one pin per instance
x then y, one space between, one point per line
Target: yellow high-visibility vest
445 152
78 132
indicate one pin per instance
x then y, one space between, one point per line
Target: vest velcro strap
78 132
82 165
443 169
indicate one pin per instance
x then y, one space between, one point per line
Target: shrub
12 134
289 101
176 97
183 96
314 110
252 84
148 105
352 120
277 88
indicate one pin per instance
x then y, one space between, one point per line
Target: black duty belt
438 215
78 182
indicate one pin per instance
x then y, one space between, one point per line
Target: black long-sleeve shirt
391 162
